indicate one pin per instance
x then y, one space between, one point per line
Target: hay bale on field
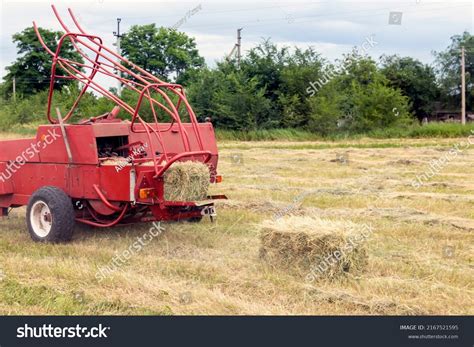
313 247
187 181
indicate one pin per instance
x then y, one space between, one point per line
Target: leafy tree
166 53
201 92
416 80
231 99
241 103
265 62
285 75
358 101
280 74
32 69
448 64
302 68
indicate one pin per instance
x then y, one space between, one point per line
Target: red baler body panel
29 164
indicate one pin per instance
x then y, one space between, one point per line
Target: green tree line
272 87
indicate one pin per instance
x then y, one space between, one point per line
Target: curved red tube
111 224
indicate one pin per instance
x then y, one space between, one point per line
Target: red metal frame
108 196
107 61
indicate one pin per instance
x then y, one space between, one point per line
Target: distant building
441 114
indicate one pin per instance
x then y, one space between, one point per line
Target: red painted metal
104 199
104 193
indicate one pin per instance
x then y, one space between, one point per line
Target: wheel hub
41 218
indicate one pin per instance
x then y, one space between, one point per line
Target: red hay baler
65 175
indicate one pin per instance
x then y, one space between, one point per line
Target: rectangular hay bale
187 181
314 247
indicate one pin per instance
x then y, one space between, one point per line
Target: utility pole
14 89
239 45
463 87
118 36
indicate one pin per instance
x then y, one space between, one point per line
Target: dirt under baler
104 171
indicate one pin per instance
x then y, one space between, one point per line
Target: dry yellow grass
420 251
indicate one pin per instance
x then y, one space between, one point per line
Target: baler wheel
50 215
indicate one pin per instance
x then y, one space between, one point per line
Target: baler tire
59 206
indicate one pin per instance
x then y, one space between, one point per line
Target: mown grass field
420 252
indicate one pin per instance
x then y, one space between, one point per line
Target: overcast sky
331 27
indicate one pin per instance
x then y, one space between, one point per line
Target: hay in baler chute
187 181
314 247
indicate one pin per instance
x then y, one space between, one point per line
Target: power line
419 8
384 13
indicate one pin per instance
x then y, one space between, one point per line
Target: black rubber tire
62 214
